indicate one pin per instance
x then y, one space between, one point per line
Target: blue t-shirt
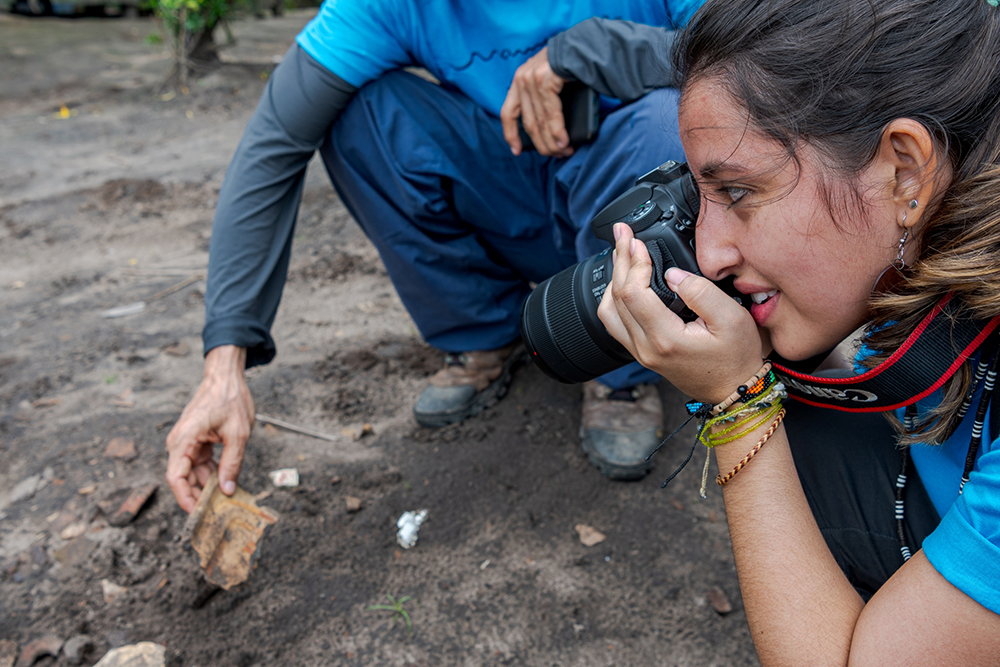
965 547
472 45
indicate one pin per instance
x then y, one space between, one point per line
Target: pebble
121 448
25 488
143 654
8 653
719 601
286 477
353 504
589 536
73 530
76 648
112 591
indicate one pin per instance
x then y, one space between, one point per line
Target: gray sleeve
259 202
619 59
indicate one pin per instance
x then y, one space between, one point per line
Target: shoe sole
614 471
487 398
618 472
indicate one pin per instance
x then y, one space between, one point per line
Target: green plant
187 27
397 610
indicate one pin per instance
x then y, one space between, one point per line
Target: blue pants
461 224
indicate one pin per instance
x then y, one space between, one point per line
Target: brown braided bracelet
720 480
737 395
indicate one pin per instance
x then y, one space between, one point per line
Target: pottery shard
136 500
143 654
120 448
719 601
226 531
46 645
8 653
589 536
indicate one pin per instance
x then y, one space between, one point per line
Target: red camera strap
931 355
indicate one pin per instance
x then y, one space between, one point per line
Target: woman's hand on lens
707 358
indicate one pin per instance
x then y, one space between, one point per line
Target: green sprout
397 610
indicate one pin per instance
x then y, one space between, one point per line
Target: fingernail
675 277
631 246
617 230
228 487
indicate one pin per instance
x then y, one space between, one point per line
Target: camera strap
935 350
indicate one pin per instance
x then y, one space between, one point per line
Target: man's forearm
259 200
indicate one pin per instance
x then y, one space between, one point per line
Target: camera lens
560 326
559 322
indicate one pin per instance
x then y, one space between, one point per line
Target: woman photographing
847 156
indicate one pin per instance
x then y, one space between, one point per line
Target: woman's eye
735 194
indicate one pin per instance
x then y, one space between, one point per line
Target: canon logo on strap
935 350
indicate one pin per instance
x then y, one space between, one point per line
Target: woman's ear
910 158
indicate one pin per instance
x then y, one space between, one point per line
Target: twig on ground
190 280
297 429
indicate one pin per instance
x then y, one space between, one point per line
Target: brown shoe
621 428
469 383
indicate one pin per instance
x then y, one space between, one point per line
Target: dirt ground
112 205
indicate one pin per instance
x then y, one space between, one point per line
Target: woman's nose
718 254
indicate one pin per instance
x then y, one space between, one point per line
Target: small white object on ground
408 525
284 477
486 564
112 591
143 654
124 311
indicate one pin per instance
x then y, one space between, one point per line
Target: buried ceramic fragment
226 532
408 525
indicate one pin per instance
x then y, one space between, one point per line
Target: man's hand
221 411
534 97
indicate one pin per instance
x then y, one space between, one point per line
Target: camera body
559 322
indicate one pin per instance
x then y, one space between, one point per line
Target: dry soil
109 202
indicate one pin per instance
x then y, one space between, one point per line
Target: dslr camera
559 320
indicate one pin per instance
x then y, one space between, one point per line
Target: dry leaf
588 535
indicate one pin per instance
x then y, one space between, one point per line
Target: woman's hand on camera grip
707 358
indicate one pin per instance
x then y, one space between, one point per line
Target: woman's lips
762 311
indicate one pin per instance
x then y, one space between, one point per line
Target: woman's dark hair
834 74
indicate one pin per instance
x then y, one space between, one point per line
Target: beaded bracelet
755 386
773 397
721 480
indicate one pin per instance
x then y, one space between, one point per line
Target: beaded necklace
986 371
